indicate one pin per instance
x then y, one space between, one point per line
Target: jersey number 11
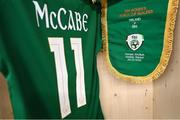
57 47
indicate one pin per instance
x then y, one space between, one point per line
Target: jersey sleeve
3 57
0 64
3 68
0 53
3 65
99 31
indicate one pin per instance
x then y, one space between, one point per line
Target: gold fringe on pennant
167 48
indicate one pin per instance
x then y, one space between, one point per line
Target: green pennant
138 37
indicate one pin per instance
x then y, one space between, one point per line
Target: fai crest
135 41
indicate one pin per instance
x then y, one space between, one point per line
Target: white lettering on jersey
59 18
53 14
71 25
41 13
85 17
76 21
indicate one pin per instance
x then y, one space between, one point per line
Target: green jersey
48 56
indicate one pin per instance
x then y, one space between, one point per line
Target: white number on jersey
57 46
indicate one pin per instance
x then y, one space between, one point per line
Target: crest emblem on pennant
135 41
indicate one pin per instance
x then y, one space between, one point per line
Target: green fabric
3 66
32 74
145 18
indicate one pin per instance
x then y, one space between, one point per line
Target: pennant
138 37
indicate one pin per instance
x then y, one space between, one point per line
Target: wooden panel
167 88
122 99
